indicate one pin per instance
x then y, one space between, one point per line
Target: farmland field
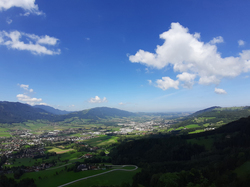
59 151
197 131
192 126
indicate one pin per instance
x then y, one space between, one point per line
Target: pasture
112 178
192 126
101 140
59 151
196 131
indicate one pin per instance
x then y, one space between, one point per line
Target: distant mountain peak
52 110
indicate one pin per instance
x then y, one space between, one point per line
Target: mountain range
15 112
52 110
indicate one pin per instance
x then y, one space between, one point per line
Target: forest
175 161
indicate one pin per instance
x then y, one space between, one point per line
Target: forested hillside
15 112
212 158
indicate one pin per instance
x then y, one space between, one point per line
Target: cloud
187 78
43 104
97 99
29 42
9 21
185 53
216 40
166 83
241 42
25 87
25 14
27 99
28 5
121 103
220 91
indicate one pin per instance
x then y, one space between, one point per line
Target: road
102 173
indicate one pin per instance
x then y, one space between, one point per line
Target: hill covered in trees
212 158
52 110
15 112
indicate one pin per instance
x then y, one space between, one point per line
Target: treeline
10 182
154 150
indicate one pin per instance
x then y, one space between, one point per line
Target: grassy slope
56 177
112 178
101 140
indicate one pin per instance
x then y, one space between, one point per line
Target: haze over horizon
133 55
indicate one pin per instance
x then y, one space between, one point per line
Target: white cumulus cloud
187 78
25 87
185 53
241 42
35 44
43 104
9 21
218 39
27 99
220 91
29 6
97 99
166 83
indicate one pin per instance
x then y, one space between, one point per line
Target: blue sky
151 56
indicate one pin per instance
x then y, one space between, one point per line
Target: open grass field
179 128
112 178
59 151
78 135
197 131
3 129
70 155
101 140
206 124
24 161
192 126
170 129
4 134
56 177
112 140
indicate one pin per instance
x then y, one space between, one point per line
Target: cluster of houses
27 169
13 144
84 167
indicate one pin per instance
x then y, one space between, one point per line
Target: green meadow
3 132
112 178
192 126
59 176
196 131
102 140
